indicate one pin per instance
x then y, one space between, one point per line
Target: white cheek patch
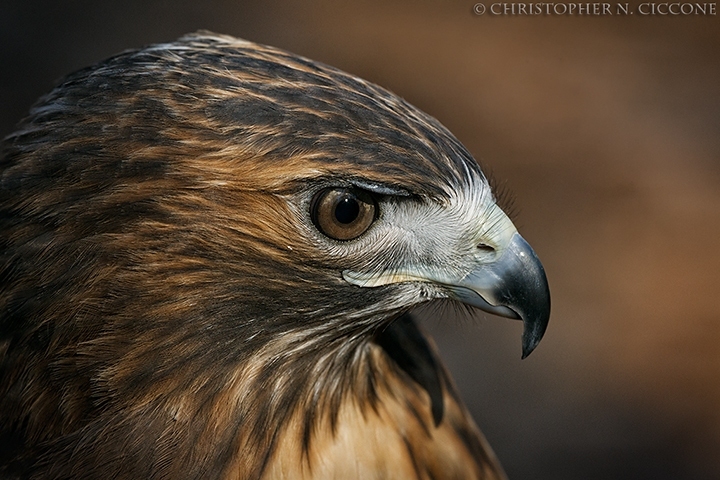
432 242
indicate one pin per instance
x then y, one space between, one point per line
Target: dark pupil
347 210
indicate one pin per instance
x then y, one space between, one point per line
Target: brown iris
343 213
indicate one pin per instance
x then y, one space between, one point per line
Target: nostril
485 248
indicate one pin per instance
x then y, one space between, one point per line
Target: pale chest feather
395 439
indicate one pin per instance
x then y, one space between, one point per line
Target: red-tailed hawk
209 249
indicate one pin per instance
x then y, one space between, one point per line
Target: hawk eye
343 213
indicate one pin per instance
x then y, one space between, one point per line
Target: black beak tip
529 345
533 332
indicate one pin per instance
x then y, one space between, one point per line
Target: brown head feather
165 310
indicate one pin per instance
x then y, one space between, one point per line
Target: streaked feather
165 310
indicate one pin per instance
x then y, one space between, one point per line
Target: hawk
209 251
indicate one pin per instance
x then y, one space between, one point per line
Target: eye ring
343 213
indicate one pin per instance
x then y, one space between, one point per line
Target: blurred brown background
606 130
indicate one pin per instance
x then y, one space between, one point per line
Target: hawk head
202 240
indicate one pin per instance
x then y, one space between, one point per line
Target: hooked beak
513 286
